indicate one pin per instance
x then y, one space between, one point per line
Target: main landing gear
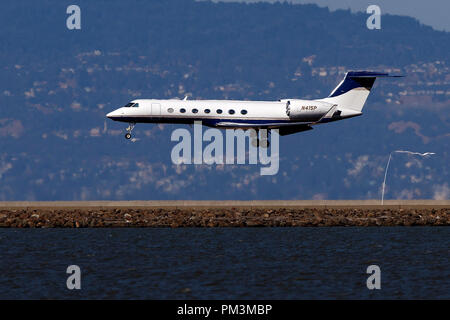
129 129
260 141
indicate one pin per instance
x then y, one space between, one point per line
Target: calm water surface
226 263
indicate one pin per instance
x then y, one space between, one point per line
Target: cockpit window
131 104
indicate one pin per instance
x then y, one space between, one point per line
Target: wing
265 125
284 128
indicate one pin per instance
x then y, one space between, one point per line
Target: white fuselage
288 115
226 113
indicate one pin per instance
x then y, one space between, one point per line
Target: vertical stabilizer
353 91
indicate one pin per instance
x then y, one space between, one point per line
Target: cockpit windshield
131 104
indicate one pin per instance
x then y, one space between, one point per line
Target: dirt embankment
220 217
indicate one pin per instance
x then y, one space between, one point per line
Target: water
226 263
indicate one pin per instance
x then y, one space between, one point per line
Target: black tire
264 143
128 136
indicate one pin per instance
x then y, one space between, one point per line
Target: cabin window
170 110
136 105
243 111
219 111
182 110
194 110
207 111
231 111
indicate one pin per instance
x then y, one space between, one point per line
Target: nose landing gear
129 129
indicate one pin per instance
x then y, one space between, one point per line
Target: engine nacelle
307 110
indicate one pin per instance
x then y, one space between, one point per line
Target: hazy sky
434 13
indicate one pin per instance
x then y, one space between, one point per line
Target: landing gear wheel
129 129
260 139
264 143
254 134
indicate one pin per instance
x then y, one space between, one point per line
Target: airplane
289 116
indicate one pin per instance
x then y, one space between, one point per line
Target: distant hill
57 85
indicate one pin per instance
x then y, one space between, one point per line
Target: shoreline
175 214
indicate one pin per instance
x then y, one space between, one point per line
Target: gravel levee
220 217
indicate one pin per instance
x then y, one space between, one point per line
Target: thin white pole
384 181
426 154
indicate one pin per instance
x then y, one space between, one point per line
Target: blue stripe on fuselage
205 121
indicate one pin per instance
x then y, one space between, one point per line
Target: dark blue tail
357 79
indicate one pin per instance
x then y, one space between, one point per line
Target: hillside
57 85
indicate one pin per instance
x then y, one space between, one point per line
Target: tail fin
353 91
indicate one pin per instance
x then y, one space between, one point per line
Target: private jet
289 116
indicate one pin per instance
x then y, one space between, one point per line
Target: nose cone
114 114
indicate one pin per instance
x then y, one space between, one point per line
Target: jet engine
307 110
